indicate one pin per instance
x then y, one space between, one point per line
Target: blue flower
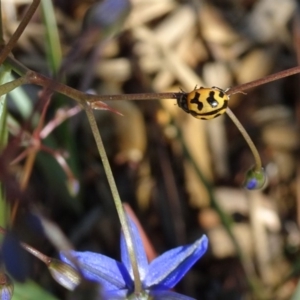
158 277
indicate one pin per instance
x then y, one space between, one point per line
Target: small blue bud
6 287
255 179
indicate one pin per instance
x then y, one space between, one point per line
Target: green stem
11 85
4 205
116 196
226 219
16 66
258 164
1 27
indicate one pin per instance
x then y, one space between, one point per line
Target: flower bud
6 287
64 274
255 179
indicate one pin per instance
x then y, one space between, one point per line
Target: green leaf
31 291
4 77
296 295
53 47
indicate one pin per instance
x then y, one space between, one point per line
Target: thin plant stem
7 87
1 27
44 81
24 180
44 258
14 39
226 219
264 80
28 168
41 80
116 197
61 88
16 66
258 164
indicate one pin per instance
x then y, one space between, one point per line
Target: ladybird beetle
204 103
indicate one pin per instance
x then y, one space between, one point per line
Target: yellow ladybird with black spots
204 103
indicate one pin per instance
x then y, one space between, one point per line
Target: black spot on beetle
195 100
211 100
221 94
194 114
216 112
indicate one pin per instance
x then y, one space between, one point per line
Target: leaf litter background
181 176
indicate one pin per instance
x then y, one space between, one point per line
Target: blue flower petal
167 295
167 269
15 258
110 273
140 254
115 295
107 13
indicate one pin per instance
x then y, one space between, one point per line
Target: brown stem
263 80
38 79
41 80
44 258
14 39
143 96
